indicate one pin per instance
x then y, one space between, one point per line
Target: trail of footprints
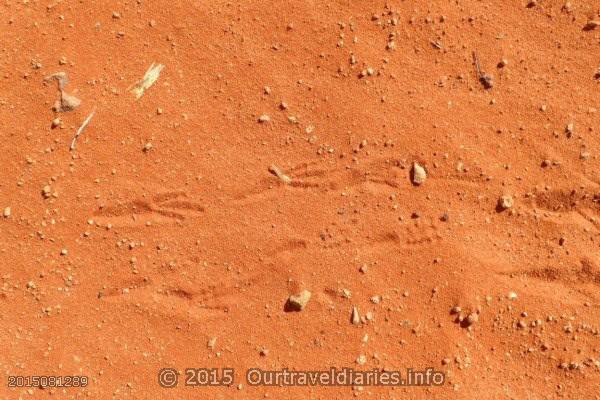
569 207
172 298
175 206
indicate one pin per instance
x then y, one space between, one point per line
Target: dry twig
81 129
279 173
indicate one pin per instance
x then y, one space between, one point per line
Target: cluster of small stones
465 319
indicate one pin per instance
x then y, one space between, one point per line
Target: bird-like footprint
162 208
327 176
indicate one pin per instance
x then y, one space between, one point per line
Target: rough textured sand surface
276 153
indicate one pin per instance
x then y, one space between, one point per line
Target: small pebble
355 319
569 129
505 202
298 302
472 319
7 212
211 343
591 25
419 175
68 102
361 360
487 81
263 119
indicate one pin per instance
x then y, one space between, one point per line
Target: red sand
204 242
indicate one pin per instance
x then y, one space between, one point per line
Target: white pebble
419 175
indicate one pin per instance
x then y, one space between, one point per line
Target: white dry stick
81 129
279 173
148 80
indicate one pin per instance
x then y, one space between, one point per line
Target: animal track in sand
587 271
168 299
165 207
568 207
315 174
565 200
410 237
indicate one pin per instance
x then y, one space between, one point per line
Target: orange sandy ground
194 239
